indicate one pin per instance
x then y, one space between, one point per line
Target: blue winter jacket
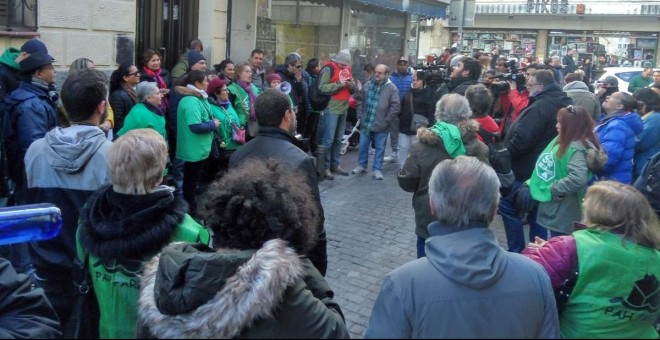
617 135
402 82
30 114
648 142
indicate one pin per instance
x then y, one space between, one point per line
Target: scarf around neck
451 137
248 88
130 91
201 92
156 75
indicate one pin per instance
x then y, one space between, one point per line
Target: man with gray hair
466 280
291 72
376 108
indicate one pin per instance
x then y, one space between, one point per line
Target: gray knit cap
343 57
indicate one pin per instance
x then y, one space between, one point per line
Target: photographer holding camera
466 72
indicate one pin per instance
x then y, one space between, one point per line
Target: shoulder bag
418 120
85 315
237 133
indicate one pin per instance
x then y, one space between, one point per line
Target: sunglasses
136 73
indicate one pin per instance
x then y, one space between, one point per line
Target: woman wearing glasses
561 174
122 92
243 94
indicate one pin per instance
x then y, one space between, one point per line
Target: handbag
85 315
418 120
237 133
216 146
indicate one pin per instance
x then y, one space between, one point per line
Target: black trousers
192 173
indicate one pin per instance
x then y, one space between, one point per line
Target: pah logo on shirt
545 166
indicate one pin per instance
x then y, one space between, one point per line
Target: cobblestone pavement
370 227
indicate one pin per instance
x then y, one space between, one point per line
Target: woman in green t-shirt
561 173
195 126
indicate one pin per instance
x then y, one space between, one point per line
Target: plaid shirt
371 105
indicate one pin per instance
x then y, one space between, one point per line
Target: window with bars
18 15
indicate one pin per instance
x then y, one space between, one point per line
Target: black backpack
317 98
648 182
498 155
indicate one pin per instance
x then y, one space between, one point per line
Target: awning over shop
426 8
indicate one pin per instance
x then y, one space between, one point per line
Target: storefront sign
547 6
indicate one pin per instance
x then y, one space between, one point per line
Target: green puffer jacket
194 292
119 233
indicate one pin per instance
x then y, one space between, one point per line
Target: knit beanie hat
273 76
454 61
194 57
343 57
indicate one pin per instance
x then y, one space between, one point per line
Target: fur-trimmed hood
185 91
114 225
468 129
191 291
426 136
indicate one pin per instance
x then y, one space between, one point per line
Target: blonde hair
136 161
621 208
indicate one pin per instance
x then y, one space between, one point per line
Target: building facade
624 32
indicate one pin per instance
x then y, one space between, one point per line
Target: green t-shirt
549 169
224 130
140 117
190 146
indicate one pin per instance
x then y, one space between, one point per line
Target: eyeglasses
136 73
298 66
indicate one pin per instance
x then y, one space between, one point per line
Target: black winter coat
121 103
26 312
422 103
275 143
534 129
296 87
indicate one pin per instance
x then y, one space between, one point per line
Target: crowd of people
191 197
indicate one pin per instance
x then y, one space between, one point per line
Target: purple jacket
558 257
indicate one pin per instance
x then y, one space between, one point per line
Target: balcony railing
18 15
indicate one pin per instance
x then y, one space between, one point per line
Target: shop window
376 38
18 15
617 48
308 28
509 44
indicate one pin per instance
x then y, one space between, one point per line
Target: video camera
516 75
434 75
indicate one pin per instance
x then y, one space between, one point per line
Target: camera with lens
434 75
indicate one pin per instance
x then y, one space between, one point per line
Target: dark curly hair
258 201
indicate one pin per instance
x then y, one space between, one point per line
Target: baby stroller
351 136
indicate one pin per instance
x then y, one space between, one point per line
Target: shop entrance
165 26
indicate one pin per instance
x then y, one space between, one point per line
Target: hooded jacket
9 78
112 232
193 292
534 129
648 142
65 168
30 113
460 290
425 154
616 133
579 92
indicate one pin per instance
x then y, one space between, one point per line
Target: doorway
165 26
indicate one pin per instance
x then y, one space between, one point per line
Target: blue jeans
380 139
333 132
513 224
421 243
